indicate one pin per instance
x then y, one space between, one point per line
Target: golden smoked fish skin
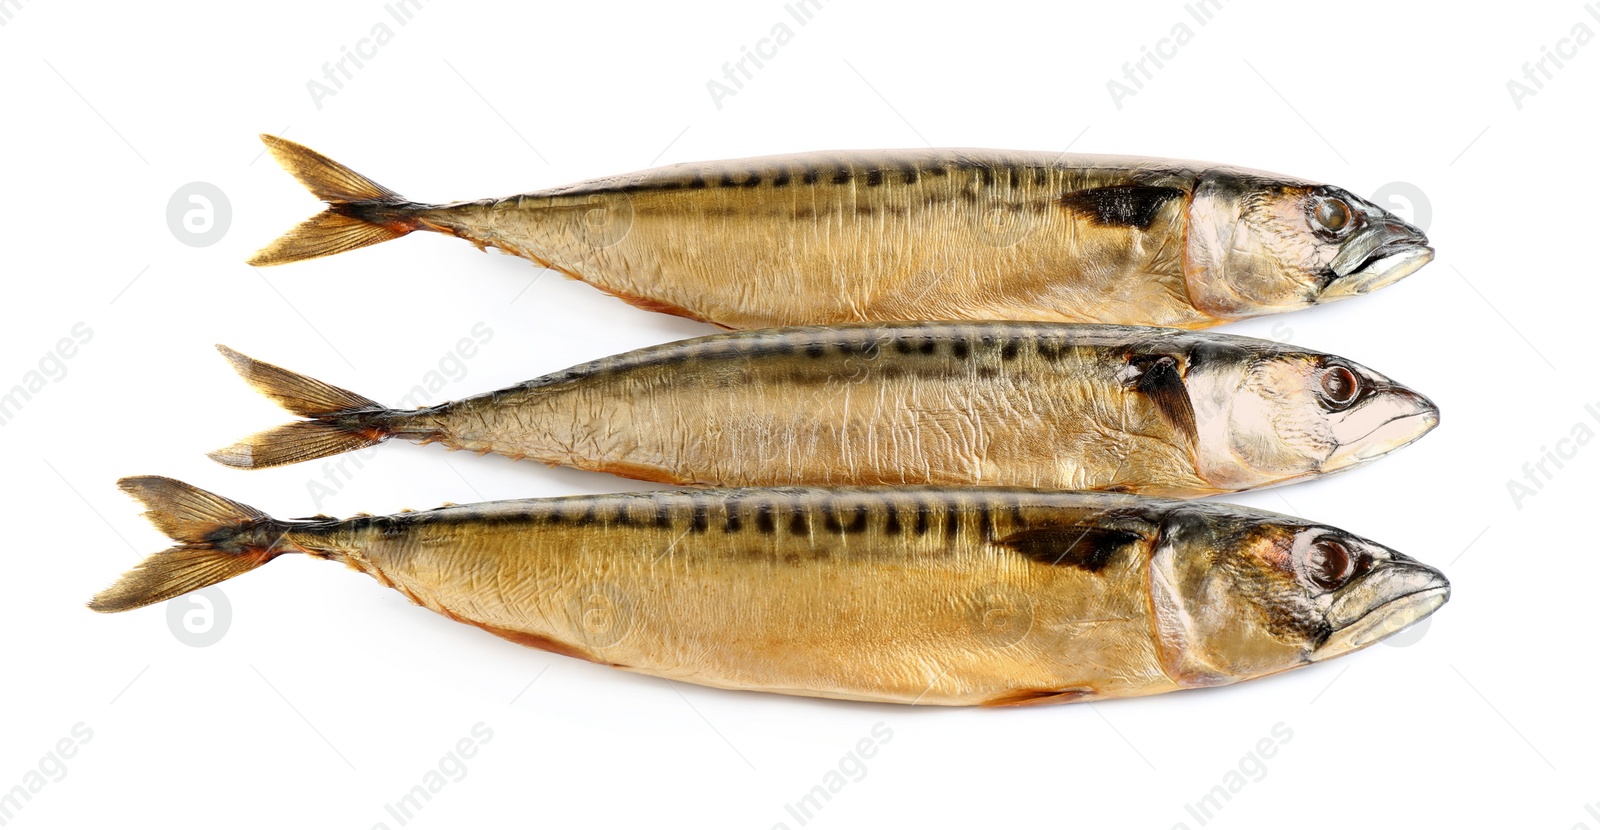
907 595
1057 406
910 235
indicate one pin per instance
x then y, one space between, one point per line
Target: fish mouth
1384 255
1400 594
1398 430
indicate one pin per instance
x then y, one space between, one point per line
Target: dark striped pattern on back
890 168
941 514
892 171
905 343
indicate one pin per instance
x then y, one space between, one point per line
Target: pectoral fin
1162 382
1088 547
1128 205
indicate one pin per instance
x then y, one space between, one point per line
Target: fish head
1242 595
1269 415
1259 244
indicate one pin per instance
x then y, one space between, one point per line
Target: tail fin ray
210 530
304 396
327 179
325 234
342 421
293 443
360 211
186 513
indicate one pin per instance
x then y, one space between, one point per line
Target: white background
328 697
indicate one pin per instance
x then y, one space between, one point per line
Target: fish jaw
1393 597
1386 253
1403 418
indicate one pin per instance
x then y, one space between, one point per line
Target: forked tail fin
360 211
217 539
341 420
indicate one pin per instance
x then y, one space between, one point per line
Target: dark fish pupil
1330 563
1339 384
1332 214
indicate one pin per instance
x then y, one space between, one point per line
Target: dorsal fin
1125 205
1161 381
1080 546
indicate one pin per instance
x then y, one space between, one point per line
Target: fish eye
1329 563
1340 386
1332 214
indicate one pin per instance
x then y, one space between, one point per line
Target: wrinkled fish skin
911 235
1080 407
909 595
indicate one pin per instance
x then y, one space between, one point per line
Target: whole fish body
910 235
909 595
1058 406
